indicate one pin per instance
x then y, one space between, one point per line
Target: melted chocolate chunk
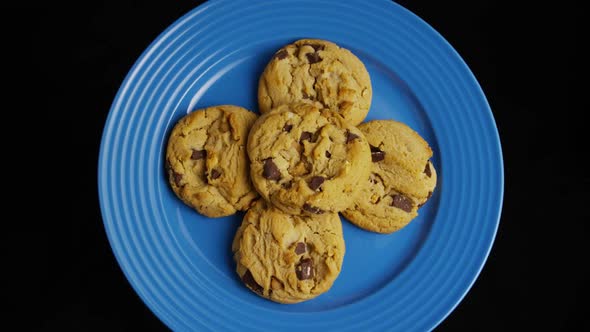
305 136
304 270
315 182
177 178
248 279
288 128
270 170
198 154
350 137
402 202
280 55
312 209
313 57
376 154
215 174
427 170
300 248
328 154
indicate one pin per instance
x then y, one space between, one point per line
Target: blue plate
180 263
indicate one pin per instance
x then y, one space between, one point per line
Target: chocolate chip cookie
318 72
285 258
206 160
402 178
307 161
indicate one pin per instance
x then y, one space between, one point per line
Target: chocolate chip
300 248
270 170
198 154
215 174
376 154
288 128
288 185
328 154
315 182
313 57
317 47
304 270
350 136
177 178
248 279
312 209
402 202
427 170
305 136
280 55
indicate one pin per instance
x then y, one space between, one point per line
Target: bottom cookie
285 258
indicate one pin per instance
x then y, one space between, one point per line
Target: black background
522 54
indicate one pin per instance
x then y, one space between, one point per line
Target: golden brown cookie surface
207 163
288 259
402 178
318 72
307 161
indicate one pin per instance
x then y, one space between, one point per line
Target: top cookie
307 161
402 178
318 72
207 163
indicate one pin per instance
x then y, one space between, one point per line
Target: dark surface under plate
522 56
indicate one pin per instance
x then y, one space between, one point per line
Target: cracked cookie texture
206 160
317 72
401 180
306 160
286 258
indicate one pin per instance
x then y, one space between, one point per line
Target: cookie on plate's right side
402 178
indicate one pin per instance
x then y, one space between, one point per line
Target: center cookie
402 178
288 259
307 161
207 163
319 72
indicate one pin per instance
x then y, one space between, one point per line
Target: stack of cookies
307 158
